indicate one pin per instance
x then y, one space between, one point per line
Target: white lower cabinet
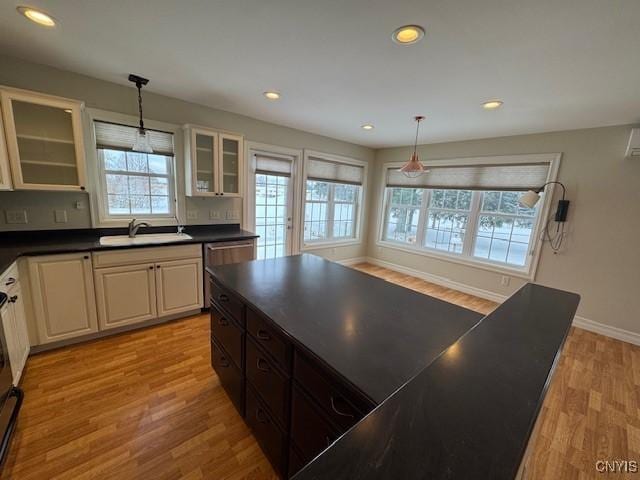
125 294
63 296
179 286
137 285
14 324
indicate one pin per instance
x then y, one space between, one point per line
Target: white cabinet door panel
179 286
125 295
63 296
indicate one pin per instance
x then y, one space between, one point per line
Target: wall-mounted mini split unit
633 149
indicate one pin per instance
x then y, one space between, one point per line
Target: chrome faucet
133 227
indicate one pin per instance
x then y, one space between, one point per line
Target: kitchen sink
144 239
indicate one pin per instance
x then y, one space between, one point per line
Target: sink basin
144 239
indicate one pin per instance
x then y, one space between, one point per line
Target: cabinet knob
222 193
151 267
82 187
86 257
223 298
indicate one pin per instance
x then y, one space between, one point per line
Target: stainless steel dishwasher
223 253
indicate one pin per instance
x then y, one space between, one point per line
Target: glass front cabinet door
213 163
44 141
5 173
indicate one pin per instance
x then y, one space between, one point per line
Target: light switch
214 214
233 215
192 214
16 216
60 216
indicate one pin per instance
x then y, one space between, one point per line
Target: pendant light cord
140 107
415 143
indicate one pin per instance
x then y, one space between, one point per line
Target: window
483 223
272 192
502 235
134 183
333 191
504 228
330 211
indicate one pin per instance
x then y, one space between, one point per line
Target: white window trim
529 271
99 217
360 204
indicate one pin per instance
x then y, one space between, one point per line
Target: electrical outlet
233 215
214 214
60 216
192 214
16 216
79 205
504 281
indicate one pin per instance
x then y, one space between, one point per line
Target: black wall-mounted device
562 211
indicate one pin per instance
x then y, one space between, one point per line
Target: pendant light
413 168
141 143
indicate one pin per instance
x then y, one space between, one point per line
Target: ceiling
556 64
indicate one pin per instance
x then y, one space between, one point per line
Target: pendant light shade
141 143
413 168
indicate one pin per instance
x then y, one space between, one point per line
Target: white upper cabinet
213 163
5 173
44 141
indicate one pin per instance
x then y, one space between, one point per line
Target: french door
271 177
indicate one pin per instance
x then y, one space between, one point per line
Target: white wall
601 258
121 99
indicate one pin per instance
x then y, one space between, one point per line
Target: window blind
512 177
273 165
121 137
331 171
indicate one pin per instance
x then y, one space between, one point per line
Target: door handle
263 335
10 281
260 416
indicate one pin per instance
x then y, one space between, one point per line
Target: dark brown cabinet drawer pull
260 416
223 298
335 409
263 335
224 362
223 321
262 365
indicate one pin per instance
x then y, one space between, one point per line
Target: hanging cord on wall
555 241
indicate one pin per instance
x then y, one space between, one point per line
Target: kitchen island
410 386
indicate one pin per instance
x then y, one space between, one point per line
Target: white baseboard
578 321
352 261
438 280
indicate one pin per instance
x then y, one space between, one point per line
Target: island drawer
310 431
230 377
342 406
270 437
228 302
228 334
269 338
272 386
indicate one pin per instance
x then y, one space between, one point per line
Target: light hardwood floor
147 405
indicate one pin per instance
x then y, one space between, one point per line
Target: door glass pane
204 163
45 144
272 192
230 165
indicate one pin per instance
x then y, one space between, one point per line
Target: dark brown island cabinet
295 406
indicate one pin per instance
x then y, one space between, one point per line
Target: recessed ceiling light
492 104
272 95
408 34
37 16
367 126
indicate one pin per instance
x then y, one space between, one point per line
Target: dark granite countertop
3 298
375 334
46 242
469 414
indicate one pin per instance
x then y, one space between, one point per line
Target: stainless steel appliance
223 253
10 396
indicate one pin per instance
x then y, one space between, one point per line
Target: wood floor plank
147 405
